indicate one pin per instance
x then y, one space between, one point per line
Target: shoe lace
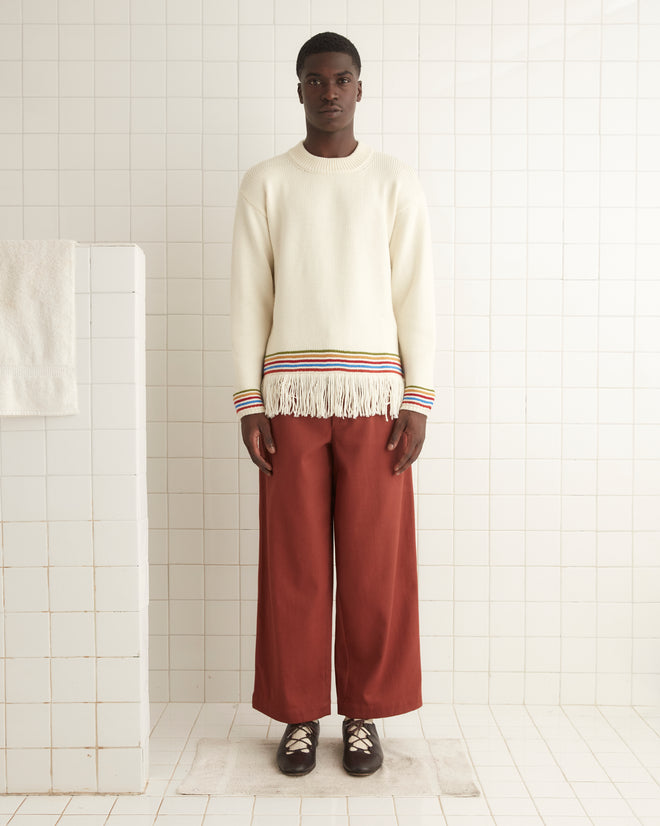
300 739
358 736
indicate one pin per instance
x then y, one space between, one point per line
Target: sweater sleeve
413 300
252 296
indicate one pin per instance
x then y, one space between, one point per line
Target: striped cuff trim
248 400
419 396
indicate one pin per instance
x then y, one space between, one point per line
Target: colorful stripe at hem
420 396
247 399
329 361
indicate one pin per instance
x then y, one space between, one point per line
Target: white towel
37 328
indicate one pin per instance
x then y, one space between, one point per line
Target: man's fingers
256 456
413 426
258 439
267 436
395 435
407 459
263 466
404 462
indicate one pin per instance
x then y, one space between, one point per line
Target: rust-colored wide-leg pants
336 471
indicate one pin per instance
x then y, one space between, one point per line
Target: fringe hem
322 395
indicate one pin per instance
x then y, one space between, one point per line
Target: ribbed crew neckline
315 163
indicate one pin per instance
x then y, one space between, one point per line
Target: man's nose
329 92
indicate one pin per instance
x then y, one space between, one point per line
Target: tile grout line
633 542
586 742
472 763
515 762
551 750
599 709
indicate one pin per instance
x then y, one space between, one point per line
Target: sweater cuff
248 401
418 399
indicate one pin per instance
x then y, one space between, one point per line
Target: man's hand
256 432
414 426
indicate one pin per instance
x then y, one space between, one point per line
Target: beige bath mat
412 767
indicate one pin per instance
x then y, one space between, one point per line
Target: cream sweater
332 287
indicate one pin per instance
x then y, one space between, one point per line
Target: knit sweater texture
332 287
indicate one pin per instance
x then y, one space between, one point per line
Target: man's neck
335 145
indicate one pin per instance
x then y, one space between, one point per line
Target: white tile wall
534 126
73 537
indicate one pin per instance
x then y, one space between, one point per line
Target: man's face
329 89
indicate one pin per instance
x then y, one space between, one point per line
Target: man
333 339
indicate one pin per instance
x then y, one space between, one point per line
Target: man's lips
330 110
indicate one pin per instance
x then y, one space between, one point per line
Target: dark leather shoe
363 753
296 753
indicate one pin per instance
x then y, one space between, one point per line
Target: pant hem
294 715
361 711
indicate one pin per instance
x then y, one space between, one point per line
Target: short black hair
327 42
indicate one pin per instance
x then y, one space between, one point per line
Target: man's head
327 42
328 68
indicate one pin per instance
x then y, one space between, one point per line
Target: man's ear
359 92
300 93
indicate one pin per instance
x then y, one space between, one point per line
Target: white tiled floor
557 766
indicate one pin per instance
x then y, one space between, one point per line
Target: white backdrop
534 126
